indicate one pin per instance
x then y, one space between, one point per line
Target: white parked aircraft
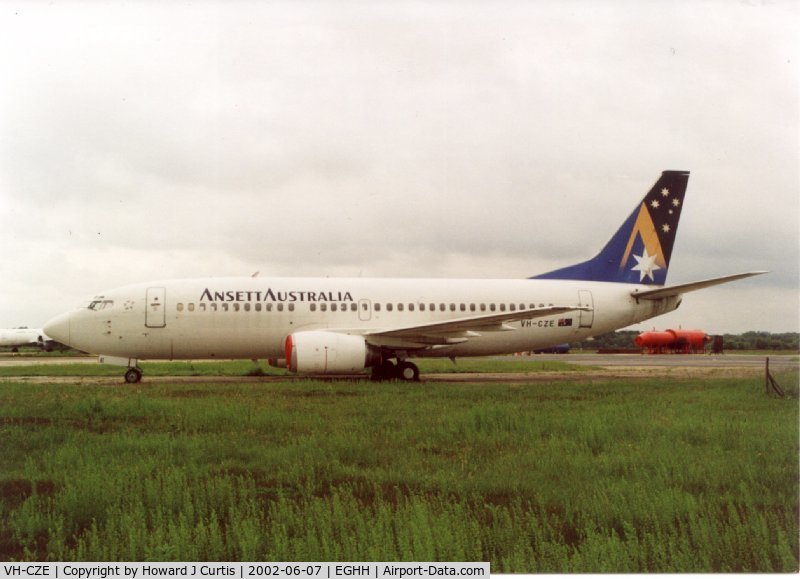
348 325
16 337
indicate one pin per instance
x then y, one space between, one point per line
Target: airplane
337 326
16 337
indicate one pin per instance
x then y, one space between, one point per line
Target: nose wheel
133 376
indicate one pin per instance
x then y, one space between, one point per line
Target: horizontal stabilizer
674 290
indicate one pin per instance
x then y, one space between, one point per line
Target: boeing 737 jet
349 325
16 337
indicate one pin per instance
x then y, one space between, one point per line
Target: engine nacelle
329 353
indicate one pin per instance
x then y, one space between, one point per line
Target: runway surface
599 367
780 361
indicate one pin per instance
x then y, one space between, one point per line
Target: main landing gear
403 370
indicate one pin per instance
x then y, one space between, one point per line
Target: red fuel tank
676 340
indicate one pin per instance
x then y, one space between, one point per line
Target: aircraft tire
407 372
133 376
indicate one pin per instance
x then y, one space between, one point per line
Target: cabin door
155 315
586 316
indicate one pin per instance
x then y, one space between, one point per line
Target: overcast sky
151 140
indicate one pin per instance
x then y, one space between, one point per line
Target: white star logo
676 202
655 204
645 265
665 228
665 192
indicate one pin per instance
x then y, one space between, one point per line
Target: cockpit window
97 305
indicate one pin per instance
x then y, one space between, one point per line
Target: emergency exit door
155 315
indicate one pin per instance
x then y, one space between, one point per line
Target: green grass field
634 475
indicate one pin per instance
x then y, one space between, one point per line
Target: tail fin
640 250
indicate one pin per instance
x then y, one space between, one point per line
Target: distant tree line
746 341
762 341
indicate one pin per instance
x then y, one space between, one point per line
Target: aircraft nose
59 329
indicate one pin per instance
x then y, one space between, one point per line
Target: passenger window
400 307
213 307
377 307
452 307
389 307
312 307
224 307
463 307
323 307
502 307
258 307
334 308
513 307
268 307
410 307
492 307
202 307
354 307
483 307
472 307
236 307
280 307
291 307
180 307
247 307
442 307
191 307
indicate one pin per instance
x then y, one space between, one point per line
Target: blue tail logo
640 250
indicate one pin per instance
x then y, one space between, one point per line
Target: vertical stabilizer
640 250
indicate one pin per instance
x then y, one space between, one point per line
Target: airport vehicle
16 337
679 341
349 325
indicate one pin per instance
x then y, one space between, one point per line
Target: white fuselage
251 317
22 337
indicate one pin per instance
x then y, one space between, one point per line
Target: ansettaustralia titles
275 296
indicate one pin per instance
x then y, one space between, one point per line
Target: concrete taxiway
599 367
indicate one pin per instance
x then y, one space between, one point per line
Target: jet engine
315 352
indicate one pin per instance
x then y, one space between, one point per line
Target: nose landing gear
133 375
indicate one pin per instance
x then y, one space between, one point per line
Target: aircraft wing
461 329
674 290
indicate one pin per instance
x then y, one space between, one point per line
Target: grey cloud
413 139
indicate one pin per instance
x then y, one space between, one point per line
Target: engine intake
329 353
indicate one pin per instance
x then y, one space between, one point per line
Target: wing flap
461 329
